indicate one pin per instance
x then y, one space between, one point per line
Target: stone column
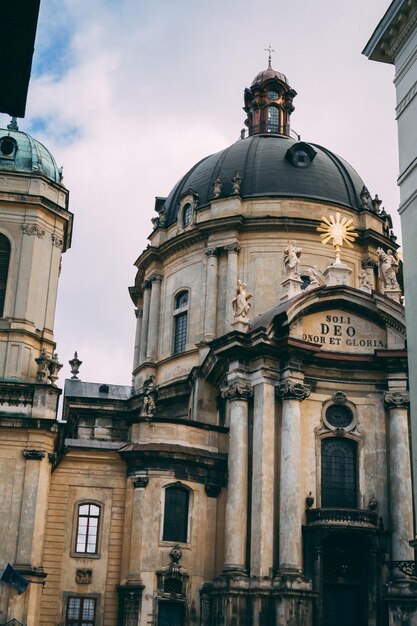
211 294
263 480
154 310
139 484
290 503
138 334
397 403
233 250
145 320
238 395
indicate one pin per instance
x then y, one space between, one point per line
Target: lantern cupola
269 103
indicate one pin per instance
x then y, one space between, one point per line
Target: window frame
74 551
7 277
185 488
68 596
178 313
354 444
271 128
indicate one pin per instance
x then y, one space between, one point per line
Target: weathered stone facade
247 475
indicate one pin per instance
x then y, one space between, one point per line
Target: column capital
237 391
232 247
156 278
292 391
138 313
211 251
34 455
368 262
147 284
140 482
397 399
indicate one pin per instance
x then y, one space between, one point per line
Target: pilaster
232 250
145 320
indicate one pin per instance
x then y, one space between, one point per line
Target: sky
129 95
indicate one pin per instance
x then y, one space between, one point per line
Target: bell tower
35 229
269 103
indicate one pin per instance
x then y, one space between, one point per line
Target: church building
257 471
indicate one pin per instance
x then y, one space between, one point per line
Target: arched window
88 522
180 322
4 269
273 120
176 514
187 213
338 473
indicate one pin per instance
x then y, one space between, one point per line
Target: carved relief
57 241
292 391
34 455
397 399
237 391
33 229
83 576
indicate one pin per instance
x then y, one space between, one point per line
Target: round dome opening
7 146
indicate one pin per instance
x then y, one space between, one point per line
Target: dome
269 74
268 167
19 152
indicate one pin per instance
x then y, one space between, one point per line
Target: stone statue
388 268
365 197
217 187
364 280
150 395
292 260
236 182
241 304
316 277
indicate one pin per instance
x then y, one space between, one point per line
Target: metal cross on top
269 49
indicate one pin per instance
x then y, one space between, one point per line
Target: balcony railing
353 518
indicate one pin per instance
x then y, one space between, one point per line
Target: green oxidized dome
19 152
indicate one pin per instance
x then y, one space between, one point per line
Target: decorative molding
211 251
140 482
212 491
339 397
237 391
33 229
14 395
232 247
34 455
83 576
368 262
57 241
406 100
397 400
292 391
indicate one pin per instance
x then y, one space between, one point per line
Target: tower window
87 528
187 213
81 611
180 322
273 120
272 95
176 514
338 473
4 269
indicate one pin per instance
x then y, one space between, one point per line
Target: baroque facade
257 471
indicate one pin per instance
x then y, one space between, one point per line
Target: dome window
187 214
300 154
8 147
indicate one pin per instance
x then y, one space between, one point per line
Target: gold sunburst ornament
339 229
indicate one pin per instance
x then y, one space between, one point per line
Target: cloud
128 95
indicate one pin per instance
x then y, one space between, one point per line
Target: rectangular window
87 529
180 332
81 611
176 515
